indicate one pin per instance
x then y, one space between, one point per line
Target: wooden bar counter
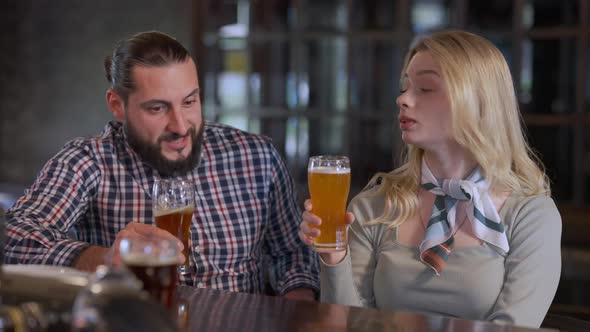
213 310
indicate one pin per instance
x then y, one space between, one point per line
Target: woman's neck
454 163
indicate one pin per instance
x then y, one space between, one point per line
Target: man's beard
152 155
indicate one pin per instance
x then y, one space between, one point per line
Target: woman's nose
403 100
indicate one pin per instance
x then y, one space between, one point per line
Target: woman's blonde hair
485 120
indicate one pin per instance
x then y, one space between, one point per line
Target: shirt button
197 249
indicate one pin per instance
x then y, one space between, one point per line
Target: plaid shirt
246 217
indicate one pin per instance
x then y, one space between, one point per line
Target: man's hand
90 258
93 256
304 294
138 230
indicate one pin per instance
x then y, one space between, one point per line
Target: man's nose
177 122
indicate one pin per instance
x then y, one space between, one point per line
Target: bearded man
97 190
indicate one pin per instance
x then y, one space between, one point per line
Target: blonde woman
466 227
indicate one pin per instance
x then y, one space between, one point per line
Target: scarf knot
442 225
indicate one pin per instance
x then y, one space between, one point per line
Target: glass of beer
173 206
154 262
329 183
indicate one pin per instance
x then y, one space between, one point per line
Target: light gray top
478 282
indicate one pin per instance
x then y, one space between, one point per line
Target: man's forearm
90 258
300 294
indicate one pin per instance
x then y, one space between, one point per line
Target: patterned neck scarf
481 213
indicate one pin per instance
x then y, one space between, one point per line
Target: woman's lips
406 123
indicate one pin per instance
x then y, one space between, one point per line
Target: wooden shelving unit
349 62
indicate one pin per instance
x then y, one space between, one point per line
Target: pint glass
154 262
329 182
173 206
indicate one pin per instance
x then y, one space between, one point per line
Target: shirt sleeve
293 264
351 281
533 265
38 224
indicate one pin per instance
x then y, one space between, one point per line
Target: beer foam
149 260
329 170
171 211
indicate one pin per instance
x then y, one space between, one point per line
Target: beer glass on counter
154 262
173 206
329 183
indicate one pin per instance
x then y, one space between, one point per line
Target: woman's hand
307 233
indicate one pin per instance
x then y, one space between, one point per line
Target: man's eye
189 102
156 109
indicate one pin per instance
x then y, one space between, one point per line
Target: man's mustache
174 136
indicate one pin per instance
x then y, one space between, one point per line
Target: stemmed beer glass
173 206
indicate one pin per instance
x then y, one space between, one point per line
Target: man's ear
116 105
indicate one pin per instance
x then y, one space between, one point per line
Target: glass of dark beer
173 206
154 262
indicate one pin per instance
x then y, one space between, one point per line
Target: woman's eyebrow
426 72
